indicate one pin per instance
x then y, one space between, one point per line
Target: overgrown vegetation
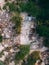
24 50
31 60
1 63
17 20
13 7
0 38
39 9
30 7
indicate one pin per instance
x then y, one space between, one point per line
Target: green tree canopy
17 20
43 30
1 63
0 38
13 7
43 3
30 7
32 58
24 50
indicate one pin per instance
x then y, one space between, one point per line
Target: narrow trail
2 2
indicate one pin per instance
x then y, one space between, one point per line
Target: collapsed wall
27 24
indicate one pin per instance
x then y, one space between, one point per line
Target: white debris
2 58
44 48
2 2
7 33
11 50
5 45
5 53
12 63
2 34
26 25
1 48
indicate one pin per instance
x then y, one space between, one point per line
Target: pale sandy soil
2 2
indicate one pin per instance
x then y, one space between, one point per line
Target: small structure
27 24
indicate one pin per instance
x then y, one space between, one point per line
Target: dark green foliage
1 63
24 50
37 8
43 30
0 38
43 15
43 4
30 7
43 18
17 20
13 7
32 59
46 42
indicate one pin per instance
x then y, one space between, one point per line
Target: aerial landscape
24 32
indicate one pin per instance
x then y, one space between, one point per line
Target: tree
46 42
43 3
24 50
13 7
43 18
43 30
30 7
32 58
0 38
17 20
1 63
44 7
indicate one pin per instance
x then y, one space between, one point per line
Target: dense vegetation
1 63
17 20
32 58
24 50
13 8
29 7
43 17
0 38
39 9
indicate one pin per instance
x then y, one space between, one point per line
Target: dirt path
2 2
